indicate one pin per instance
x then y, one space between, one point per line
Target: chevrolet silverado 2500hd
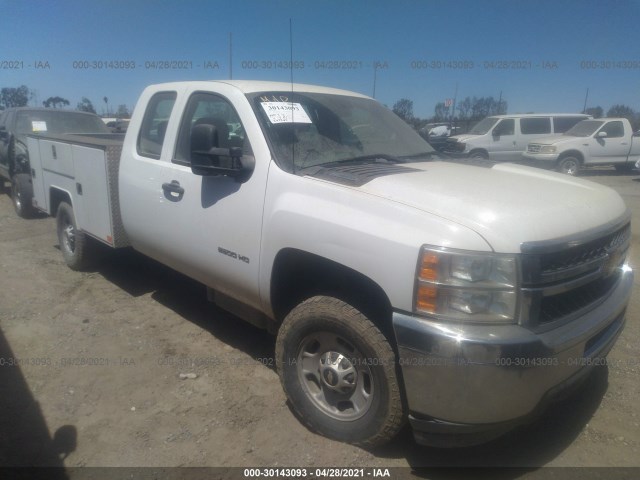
400 286
604 141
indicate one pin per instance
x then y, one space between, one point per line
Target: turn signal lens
429 268
427 300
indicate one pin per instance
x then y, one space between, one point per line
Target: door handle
173 188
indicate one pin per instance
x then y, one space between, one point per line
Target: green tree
14 97
441 113
86 106
404 109
464 109
123 111
55 102
625 112
595 112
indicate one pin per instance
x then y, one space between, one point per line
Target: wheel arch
298 275
572 153
479 151
56 197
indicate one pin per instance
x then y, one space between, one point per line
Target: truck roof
254 86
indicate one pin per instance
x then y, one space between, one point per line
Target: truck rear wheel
75 246
339 372
22 195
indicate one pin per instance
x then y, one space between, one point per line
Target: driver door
214 222
503 144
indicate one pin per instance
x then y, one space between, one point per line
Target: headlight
458 285
548 149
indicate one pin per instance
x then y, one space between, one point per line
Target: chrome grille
534 147
561 283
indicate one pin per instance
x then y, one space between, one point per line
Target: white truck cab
505 137
400 286
602 141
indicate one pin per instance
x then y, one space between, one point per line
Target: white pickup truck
604 141
400 286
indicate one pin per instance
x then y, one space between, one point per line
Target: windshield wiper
366 159
434 153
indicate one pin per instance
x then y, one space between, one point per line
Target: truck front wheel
569 165
75 246
22 195
339 372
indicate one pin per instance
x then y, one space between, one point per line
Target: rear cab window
563 124
154 124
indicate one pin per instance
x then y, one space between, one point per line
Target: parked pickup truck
15 124
399 285
605 141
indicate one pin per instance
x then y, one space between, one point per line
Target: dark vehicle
15 124
437 134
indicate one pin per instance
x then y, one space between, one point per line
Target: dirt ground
92 363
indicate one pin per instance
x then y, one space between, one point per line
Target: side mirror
207 159
601 135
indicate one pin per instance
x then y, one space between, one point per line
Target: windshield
584 128
312 129
483 126
58 122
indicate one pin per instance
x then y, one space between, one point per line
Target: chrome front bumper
472 378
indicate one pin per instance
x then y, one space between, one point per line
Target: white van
504 138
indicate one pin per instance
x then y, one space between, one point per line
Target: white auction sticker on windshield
285 112
38 126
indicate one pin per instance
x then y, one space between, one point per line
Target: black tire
22 195
479 155
353 395
569 165
76 247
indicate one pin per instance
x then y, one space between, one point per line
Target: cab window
154 124
505 127
613 129
210 109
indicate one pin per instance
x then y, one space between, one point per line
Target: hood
464 138
555 139
506 204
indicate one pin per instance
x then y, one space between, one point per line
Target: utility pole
453 109
584 108
230 56
375 75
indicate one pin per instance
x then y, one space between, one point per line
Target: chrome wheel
16 195
569 166
335 376
69 236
